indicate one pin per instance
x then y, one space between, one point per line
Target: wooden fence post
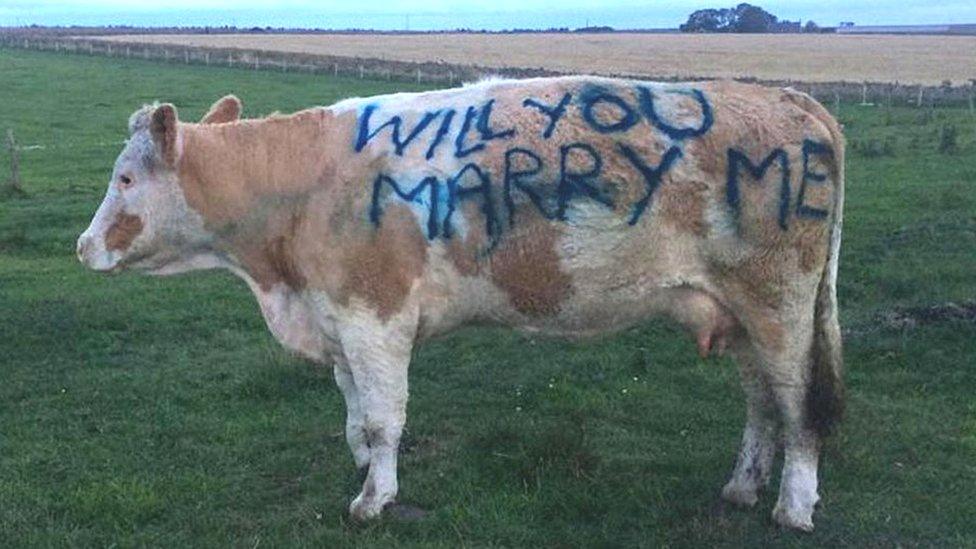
14 182
972 89
418 76
450 76
186 56
921 91
361 73
206 59
864 94
836 102
335 69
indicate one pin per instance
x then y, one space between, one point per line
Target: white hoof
793 517
740 494
363 509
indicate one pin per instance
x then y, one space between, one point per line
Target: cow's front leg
759 439
355 419
378 355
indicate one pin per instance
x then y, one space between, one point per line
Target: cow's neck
250 181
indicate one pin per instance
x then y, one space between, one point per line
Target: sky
475 14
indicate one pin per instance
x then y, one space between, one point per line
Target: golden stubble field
805 58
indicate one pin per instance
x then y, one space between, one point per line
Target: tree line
744 18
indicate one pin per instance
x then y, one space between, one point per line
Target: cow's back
579 204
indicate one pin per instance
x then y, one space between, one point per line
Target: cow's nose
84 243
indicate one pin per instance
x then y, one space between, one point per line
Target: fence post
91 48
257 62
836 102
110 50
864 94
921 91
450 75
128 52
335 69
230 59
206 59
186 56
418 76
361 73
14 182
972 89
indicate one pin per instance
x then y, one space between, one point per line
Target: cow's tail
825 394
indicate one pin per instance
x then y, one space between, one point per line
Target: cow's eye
125 180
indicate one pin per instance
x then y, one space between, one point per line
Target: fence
830 93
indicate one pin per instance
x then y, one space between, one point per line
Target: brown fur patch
382 268
527 268
227 170
123 231
226 109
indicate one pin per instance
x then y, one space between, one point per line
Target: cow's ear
163 131
227 109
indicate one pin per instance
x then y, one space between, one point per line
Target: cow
568 206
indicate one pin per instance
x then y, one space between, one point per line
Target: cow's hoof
362 509
404 512
797 519
738 494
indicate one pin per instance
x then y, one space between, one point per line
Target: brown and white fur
355 277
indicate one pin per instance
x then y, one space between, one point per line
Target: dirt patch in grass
908 318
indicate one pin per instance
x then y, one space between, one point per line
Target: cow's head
144 221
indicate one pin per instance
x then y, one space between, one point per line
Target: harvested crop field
926 60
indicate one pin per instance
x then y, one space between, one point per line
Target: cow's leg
789 372
759 439
798 486
378 355
355 419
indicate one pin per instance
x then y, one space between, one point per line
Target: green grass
140 411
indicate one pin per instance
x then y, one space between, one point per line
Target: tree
742 18
704 21
752 19
811 27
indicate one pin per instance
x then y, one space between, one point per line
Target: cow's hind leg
759 439
378 356
355 419
788 370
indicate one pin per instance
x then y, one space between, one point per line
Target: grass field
138 411
802 58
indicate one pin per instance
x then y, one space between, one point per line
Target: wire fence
831 94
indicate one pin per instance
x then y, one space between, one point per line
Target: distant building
906 29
